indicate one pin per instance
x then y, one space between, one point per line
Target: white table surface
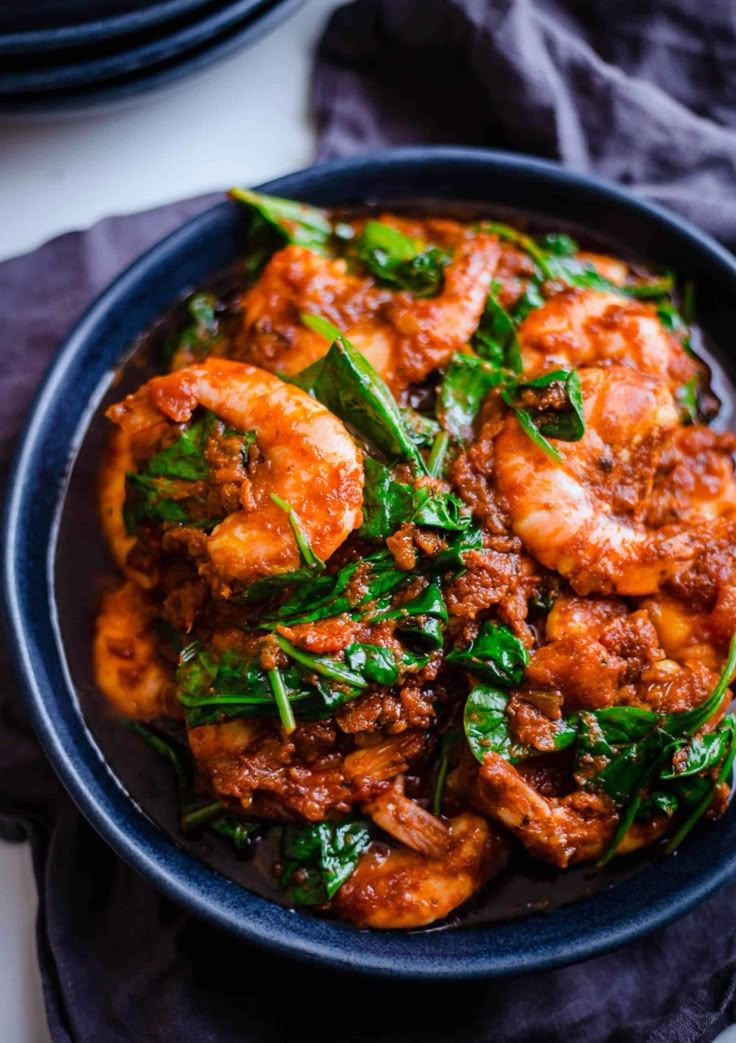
240 122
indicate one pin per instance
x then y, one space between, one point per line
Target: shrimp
128 668
584 516
560 830
695 478
589 327
395 887
423 335
308 459
402 337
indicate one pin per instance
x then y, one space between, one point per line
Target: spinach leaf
345 382
423 430
458 544
330 595
448 742
236 830
373 662
387 503
440 510
308 558
467 381
199 335
151 499
429 602
213 690
185 457
686 397
438 456
486 724
275 222
323 665
396 260
423 632
494 655
555 259
553 417
325 854
420 619
701 805
702 754
495 339
159 492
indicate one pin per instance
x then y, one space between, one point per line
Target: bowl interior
53 596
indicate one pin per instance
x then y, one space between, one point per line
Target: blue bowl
146 68
51 27
36 74
54 442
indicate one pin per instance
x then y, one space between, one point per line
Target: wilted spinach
495 655
319 858
466 382
559 415
399 261
275 222
346 382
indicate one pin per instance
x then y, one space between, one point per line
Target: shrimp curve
308 459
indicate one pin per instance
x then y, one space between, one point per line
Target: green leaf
375 663
345 382
425 632
213 690
387 503
440 510
319 324
686 396
566 422
467 381
323 665
724 775
690 721
438 456
560 244
185 457
458 545
398 261
158 494
423 430
703 753
531 299
275 222
151 499
236 830
308 558
495 339
429 602
486 724
325 853
199 335
562 418
448 742
494 655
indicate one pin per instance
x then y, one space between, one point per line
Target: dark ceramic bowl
36 74
50 562
147 66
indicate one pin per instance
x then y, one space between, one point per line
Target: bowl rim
143 845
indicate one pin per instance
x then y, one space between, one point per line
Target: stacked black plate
68 54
